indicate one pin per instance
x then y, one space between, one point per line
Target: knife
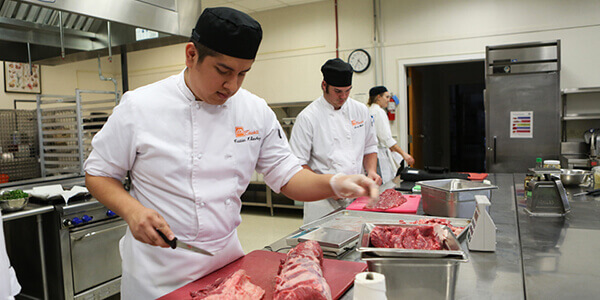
175 243
591 193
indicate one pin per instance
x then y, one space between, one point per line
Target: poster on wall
19 79
521 124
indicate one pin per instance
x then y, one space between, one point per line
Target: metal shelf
580 90
288 206
62 132
289 104
581 117
268 199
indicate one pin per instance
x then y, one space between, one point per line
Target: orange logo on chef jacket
240 132
354 122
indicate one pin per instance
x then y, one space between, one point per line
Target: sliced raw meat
390 198
301 274
414 237
236 286
455 229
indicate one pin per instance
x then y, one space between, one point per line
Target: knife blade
175 243
591 193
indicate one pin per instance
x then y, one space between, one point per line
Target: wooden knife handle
172 243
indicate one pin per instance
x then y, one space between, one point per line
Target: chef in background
379 97
334 135
191 143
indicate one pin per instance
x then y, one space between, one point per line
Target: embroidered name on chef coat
242 136
358 124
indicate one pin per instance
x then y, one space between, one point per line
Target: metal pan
353 220
443 232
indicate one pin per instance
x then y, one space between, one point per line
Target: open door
415 116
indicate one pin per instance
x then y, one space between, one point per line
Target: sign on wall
521 124
19 79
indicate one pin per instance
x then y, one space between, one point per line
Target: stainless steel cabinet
522 104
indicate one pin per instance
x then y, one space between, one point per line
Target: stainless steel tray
455 185
353 220
443 232
330 237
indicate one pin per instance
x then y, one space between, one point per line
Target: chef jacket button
202 204
227 155
228 201
348 136
199 156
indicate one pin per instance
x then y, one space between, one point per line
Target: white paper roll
371 289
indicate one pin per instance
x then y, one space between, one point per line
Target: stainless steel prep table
560 254
33 209
36 210
487 275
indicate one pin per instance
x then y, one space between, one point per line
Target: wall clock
360 60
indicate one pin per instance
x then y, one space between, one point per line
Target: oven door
95 256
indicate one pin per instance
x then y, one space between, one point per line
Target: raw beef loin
455 229
236 286
414 237
301 274
390 198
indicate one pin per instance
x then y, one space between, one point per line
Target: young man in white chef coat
191 143
334 134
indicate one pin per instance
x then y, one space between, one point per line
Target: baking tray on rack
353 220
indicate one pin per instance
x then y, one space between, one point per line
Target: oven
90 262
89 249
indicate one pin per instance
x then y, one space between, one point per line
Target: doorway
446 116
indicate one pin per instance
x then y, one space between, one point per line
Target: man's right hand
143 224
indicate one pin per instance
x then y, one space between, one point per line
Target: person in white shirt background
334 134
9 286
191 143
379 98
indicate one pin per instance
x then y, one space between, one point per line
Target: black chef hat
337 72
374 91
228 31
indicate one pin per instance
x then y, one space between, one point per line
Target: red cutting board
409 207
477 176
262 267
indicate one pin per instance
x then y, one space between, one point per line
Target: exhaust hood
53 32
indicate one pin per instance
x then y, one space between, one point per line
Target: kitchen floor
259 228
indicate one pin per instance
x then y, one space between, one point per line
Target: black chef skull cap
374 91
337 72
228 31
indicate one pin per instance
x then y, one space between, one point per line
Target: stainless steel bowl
13 204
573 176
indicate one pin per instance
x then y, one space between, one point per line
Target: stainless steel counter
487 275
560 254
37 210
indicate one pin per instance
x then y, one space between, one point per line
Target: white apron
386 164
150 279
9 286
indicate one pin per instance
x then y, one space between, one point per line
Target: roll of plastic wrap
369 285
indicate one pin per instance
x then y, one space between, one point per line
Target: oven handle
90 234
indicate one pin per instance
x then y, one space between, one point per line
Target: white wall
299 39
64 79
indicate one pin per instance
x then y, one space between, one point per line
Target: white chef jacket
332 141
9 286
385 160
191 162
